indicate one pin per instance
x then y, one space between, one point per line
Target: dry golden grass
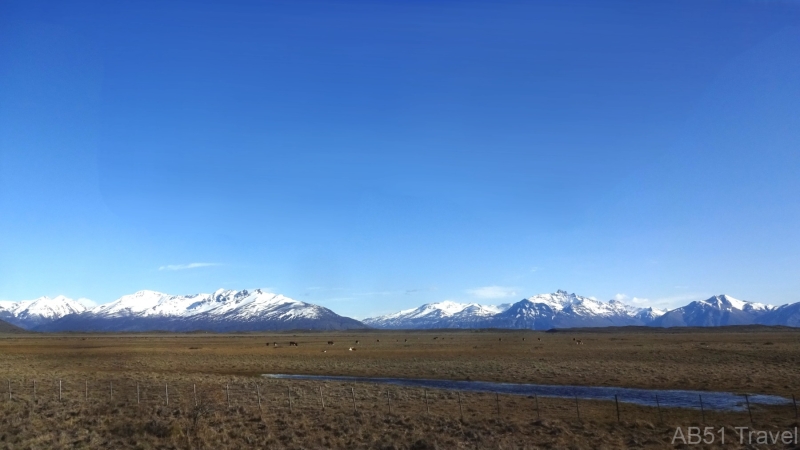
749 360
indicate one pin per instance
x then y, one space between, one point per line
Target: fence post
749 413
9 389
427 407
166 392
137 393
536 399
658 405
321 398
616 401
59 390
497 400
795 407
228 394
460 407
702 410
258 394
86 389
194 393
289 395
577 409
111 389
353 393
34 390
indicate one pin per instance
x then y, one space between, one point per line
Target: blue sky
373 156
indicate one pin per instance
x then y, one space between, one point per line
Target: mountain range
258 310
223 310
540 312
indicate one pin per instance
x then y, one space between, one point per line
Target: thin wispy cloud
86 302
665 302
195 265
492 292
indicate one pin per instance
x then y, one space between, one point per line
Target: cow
356 342
377 340
405 340
352 349
330 342
523 339
500 339
579 342
538 339
292 343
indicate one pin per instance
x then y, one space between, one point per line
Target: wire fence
264 396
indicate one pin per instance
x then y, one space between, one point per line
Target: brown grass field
99 374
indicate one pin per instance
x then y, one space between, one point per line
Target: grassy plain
99 374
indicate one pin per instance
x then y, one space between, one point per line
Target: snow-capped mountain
544 311
446 314
786 315
565 310
719 310
223 310
32 313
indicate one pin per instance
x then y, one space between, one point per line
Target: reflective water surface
721 401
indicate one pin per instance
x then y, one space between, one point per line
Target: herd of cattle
352 349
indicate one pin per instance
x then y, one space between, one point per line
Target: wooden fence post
460 407
59 390
795 407
228 394
9 389
34 390
536 400
111 390
194 393
388 401
616 401
658 405
427 407
289 395
258 394
702 410
166 392
353 393
577 409
137 393
749 413
86 390
497 400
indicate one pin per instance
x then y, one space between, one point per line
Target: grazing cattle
579 342
330 342
352 349
435 338
356 342
405 340
324 351
500 339
377 340
274 344
538 339
292 343
523 339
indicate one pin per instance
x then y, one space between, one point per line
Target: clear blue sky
372 156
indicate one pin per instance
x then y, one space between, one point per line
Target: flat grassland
203 390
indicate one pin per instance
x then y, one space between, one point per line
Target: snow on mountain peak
40 309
